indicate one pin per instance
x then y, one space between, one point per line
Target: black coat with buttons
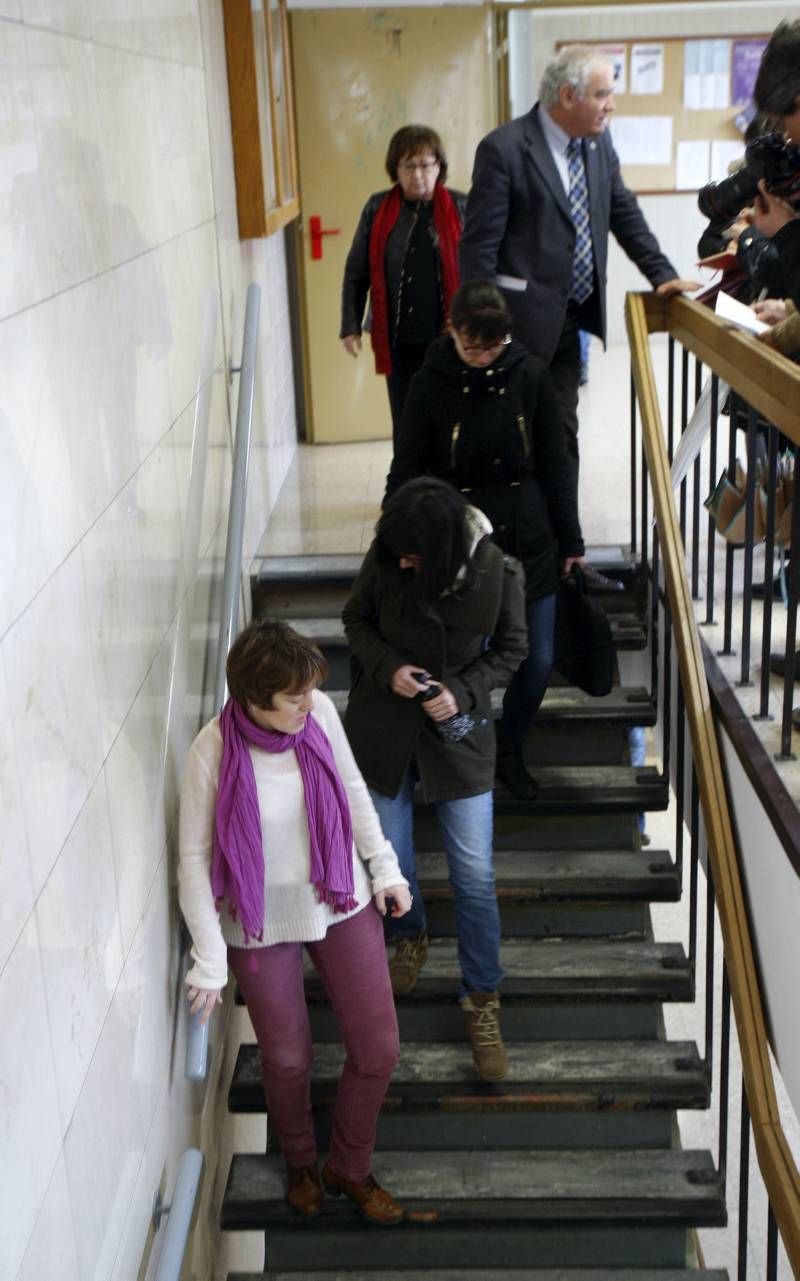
495 433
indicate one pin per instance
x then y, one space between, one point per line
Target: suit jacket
518 230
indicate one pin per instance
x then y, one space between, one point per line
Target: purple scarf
237 867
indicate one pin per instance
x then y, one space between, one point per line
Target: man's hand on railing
203 1001
669 288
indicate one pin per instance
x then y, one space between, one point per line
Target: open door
359 74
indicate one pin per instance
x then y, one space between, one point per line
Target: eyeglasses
411 166
493 349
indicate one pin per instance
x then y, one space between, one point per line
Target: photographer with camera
777 91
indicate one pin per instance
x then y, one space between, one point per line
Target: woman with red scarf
280 848
405 256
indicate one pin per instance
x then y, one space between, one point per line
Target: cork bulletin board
689 124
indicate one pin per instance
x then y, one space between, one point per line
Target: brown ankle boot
304 1190
483 1029
408 959
373 1202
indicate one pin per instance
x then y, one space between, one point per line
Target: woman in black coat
482 414
435 620
404 255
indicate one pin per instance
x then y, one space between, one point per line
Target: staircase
569 1169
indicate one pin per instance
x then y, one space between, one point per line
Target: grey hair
570 66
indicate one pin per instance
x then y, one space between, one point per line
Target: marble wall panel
171 1133
191 282
16 901
154 147
140 814
64 207
133 562
22 269
155 992
81 944
103 1146
52 1251
54 712
30 1130
169 30
68 17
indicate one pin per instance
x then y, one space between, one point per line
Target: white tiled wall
122 297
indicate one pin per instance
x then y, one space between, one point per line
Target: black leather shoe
777 665
510 769
596 582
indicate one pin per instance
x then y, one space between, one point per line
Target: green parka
474 640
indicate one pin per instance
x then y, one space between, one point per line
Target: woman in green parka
436 620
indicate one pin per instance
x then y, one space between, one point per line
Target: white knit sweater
292 912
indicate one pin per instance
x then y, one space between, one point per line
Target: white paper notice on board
617 55
723 154
691 74
642 140
647 68
692 165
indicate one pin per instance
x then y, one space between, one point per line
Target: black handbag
584 651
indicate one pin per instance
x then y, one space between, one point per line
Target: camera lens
721 202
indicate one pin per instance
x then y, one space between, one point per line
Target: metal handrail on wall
196 1067
178 1215
769 385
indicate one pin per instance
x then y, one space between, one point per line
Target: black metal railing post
751 498
698 382
633 464
727 636
724 1076
744 1184
712 480
766 617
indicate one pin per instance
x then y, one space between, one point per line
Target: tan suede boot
483 1029
408 959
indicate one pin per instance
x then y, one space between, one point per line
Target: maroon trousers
351 962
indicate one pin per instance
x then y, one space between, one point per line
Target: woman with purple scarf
281 848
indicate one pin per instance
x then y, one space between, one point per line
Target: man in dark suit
546 191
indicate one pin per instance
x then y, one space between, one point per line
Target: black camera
769 157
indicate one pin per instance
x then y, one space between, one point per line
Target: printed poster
744 69
617 55
647 68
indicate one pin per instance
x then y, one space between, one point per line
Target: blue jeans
467 836
528 684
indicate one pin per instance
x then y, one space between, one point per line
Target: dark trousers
565 371
406 360
529 683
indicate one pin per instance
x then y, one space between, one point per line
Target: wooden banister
764 379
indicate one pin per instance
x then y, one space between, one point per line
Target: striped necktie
583 263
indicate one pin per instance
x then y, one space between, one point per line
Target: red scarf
448 228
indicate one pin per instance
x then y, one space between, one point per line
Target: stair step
472 1198
567 970
648 875
543 1076
625 705
505 1274
589 789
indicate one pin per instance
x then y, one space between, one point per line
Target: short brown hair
267 658
410 141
